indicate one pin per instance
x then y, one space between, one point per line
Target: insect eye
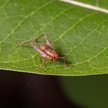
54 57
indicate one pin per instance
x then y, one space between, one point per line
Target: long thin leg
31 42
42 62
38 50
64 62
34 40
47 41
22 43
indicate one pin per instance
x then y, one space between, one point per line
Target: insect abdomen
49 51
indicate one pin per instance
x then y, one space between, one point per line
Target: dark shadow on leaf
63 59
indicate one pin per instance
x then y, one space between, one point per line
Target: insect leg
64 61
47 41
42 62
37 38
38 50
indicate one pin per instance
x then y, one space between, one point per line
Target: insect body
49 52
45 50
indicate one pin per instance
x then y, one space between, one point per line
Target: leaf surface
80 34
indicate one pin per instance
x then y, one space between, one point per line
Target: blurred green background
89 91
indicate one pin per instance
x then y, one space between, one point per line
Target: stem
88 6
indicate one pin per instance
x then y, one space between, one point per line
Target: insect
45 50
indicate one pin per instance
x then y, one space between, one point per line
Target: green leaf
80 34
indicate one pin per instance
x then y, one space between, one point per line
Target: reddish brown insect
45 50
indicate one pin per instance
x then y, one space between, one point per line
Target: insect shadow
63 59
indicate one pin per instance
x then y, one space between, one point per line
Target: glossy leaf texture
79 34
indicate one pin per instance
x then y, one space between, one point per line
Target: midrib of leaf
87 6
